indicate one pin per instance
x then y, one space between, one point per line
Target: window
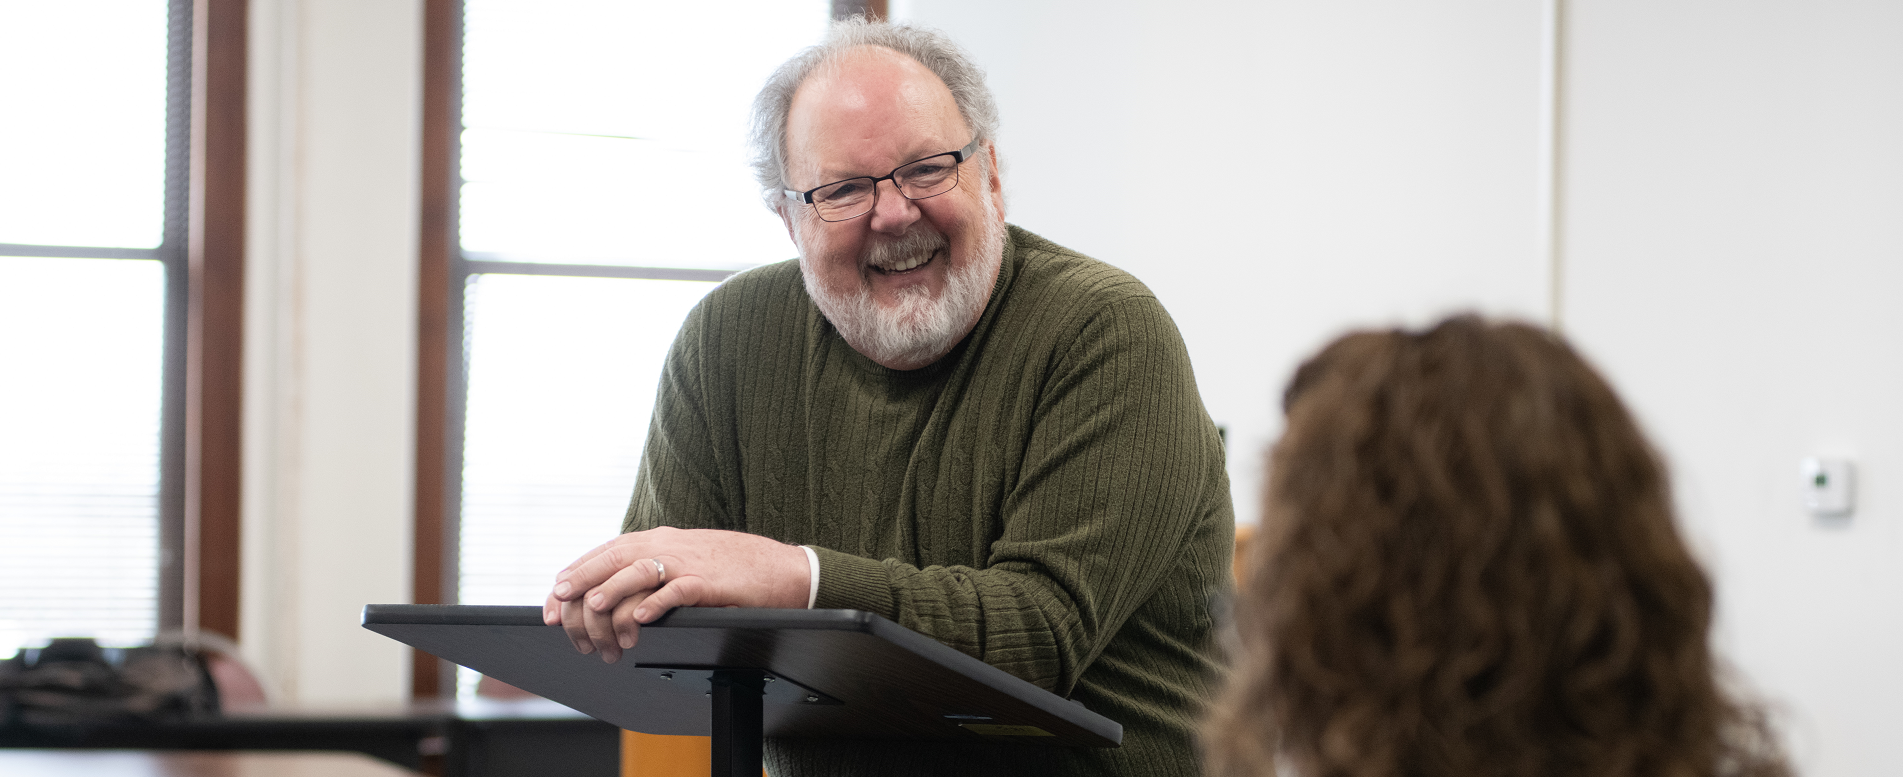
92 222
603 190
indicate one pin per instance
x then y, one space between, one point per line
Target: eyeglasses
917 180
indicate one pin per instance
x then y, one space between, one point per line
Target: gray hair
930 48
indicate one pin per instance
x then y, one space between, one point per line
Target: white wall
1734 260
1276 172
1732 219
335 109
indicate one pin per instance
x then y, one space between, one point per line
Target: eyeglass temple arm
969 149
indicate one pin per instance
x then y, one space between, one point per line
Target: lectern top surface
688 617
833 673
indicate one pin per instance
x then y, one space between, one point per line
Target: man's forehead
869 104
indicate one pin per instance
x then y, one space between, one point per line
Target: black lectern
741 674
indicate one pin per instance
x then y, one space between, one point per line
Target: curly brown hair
1467 565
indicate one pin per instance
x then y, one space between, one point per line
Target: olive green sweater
1049 497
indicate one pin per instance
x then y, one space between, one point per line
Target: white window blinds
83 88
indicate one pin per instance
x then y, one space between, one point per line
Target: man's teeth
906 264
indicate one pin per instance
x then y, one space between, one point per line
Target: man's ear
995 180
787 219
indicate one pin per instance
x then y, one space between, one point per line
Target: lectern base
739 698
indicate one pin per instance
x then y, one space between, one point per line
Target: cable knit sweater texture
1049 497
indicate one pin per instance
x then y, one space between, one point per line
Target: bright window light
82 147
562 373
613 132
79 449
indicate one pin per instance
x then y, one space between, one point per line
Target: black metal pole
738 724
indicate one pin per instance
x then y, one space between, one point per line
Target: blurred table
466 739
139 763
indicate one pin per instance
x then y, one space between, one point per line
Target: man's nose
892 214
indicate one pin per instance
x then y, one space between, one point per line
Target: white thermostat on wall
1829 486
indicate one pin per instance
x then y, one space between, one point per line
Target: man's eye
843 191
928 170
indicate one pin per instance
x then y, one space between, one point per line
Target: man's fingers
685 591
564 589
576 629
627 631
586 572
601 633
552 611
583 558
641 576
588 575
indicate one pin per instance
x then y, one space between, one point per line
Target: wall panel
1734 259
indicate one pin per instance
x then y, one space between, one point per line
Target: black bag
74 682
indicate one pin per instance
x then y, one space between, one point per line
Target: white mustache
921 242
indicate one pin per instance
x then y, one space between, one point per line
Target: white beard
921 329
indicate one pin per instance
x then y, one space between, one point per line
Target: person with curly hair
1467 565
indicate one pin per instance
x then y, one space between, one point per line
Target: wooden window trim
434 565
214 326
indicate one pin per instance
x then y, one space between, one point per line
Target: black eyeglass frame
958 158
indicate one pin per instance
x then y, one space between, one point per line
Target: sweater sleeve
1117 473
681 449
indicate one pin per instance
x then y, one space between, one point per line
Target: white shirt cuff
812 564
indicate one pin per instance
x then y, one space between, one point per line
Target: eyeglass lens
853 197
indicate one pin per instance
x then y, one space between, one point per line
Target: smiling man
935 417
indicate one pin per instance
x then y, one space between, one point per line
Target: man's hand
602 598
